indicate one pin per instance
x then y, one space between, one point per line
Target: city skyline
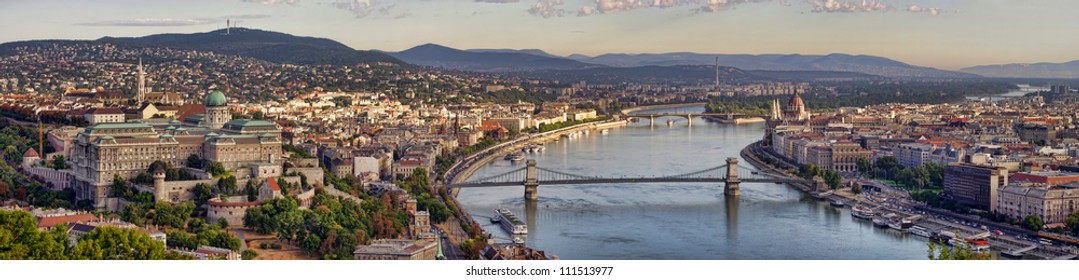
944 34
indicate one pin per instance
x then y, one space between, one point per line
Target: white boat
920 231
861 212
837 203
510 223
604 131
670 122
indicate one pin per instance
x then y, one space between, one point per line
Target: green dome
215 99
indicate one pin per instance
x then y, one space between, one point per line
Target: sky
946 34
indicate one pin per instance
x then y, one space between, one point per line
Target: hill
1066 70
485 60
265 45
872 65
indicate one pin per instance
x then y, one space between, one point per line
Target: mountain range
285 48
1066 70
260 44
508 60
487 60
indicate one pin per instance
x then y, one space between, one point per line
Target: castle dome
215 99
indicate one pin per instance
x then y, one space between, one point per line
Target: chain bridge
532 176
688 116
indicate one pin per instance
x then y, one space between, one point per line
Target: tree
1033 222
227 184
112 243
215 168
256 218
289 225
20 239
175 216
249 189
856 188
249 254
59 162
936 174
939 251
193 161
1072 220
221 222
886 164
864 166
13 155
203 193
284 185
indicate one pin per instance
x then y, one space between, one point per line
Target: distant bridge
532 176
688 116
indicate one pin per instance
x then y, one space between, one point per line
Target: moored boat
510 223
880 222
861 212
837 203
920 231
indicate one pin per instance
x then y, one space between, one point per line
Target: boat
518 240
976 244
900 224
670 122
517 156
604 131
861 212
510 223
880 222
495 219
920 231
837 203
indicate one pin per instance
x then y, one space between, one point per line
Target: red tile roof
189 109
30 153
48 222
273 184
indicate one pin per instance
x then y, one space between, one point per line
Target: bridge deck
626 181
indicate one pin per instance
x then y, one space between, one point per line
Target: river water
676 221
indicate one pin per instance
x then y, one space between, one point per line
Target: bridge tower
689 119
652 120
731 182
531 182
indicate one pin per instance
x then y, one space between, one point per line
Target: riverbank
463 169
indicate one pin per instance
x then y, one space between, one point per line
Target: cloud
159 22
920 9
614 6
273 2
835 6
548 9
361 8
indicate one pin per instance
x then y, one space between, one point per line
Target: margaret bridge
531 177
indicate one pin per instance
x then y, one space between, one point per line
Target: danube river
676 221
